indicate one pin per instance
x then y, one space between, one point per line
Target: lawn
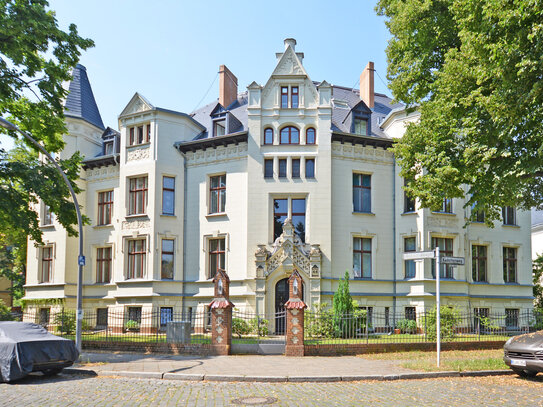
457 360
401 338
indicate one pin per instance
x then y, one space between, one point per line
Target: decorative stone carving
136 224
137 154
314 271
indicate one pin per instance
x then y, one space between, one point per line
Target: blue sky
170 51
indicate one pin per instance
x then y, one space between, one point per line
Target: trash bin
178 332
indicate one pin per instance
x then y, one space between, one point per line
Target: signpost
453 261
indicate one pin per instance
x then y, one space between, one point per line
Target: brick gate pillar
294 308
221 315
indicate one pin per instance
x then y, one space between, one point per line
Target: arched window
268 136
310 136
290 135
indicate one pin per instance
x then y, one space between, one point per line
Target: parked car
524 354
26 347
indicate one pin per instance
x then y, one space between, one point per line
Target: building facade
292 174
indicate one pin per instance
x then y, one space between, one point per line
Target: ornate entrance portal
281 297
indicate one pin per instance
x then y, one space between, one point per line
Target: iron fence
251 328
363 327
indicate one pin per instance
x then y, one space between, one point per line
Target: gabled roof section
289 64
80 102
138 103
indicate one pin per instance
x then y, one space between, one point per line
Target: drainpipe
184 235
393 240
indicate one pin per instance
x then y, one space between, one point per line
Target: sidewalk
251 368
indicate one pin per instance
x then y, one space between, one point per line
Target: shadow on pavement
39 378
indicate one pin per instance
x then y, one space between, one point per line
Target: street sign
418 255
458 261
81 260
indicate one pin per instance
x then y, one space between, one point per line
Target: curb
284 379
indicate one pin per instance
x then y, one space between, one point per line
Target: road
74 390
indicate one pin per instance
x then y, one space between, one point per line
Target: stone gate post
294 308
221 315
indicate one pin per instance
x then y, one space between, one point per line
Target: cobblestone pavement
72 390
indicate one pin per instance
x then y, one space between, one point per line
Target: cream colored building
172 196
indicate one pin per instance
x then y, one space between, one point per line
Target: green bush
132 325
240 327
450 319
407 326
5 312
65 322
319 321
262 329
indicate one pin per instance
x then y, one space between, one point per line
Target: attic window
340 104
219 128
361 127
108 147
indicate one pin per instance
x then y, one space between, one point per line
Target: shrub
65 322
407 326
319 321
5 313
132 325
240 327
259 326
450 319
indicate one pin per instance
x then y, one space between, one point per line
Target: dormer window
291 94
108 147
219 128
139 135
361 127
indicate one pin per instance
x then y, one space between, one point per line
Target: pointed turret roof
80 102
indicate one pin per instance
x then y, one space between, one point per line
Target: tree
537 274
36 58
473 70
342 302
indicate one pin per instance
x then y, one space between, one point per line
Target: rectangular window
268 168
310 168
136 259
46 272
296 213
101 318
445 249
105 207
362 257
166 265
446 206
140 134
43 316
361 127
283 168
411 313
511 317
295 168
479 316
284 97
478 263
168 195
217 194
509 215
294 97
410 245
103 265
138 196
369 314
408 202
108 148
362 193
134 314
216 256
387 316
47 216
166 315
132 137
147 133
477 216
219 128
509 264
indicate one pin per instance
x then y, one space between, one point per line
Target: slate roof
341 117
80 102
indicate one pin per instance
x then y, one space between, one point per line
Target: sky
170 51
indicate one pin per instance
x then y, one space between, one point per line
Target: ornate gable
137 104
289 64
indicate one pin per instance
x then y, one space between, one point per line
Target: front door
281 297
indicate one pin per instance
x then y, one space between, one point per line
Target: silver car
524 354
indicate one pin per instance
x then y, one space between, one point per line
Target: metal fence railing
251 328
363 327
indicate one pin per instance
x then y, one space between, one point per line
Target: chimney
291 42
366 85
228 86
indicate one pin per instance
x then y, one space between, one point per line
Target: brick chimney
366 85
228 86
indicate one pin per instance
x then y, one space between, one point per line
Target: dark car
524 354
26 347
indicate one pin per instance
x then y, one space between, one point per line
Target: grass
401 338
457 360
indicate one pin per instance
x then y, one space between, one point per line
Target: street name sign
458 261
418 255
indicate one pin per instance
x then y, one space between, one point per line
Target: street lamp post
81 258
